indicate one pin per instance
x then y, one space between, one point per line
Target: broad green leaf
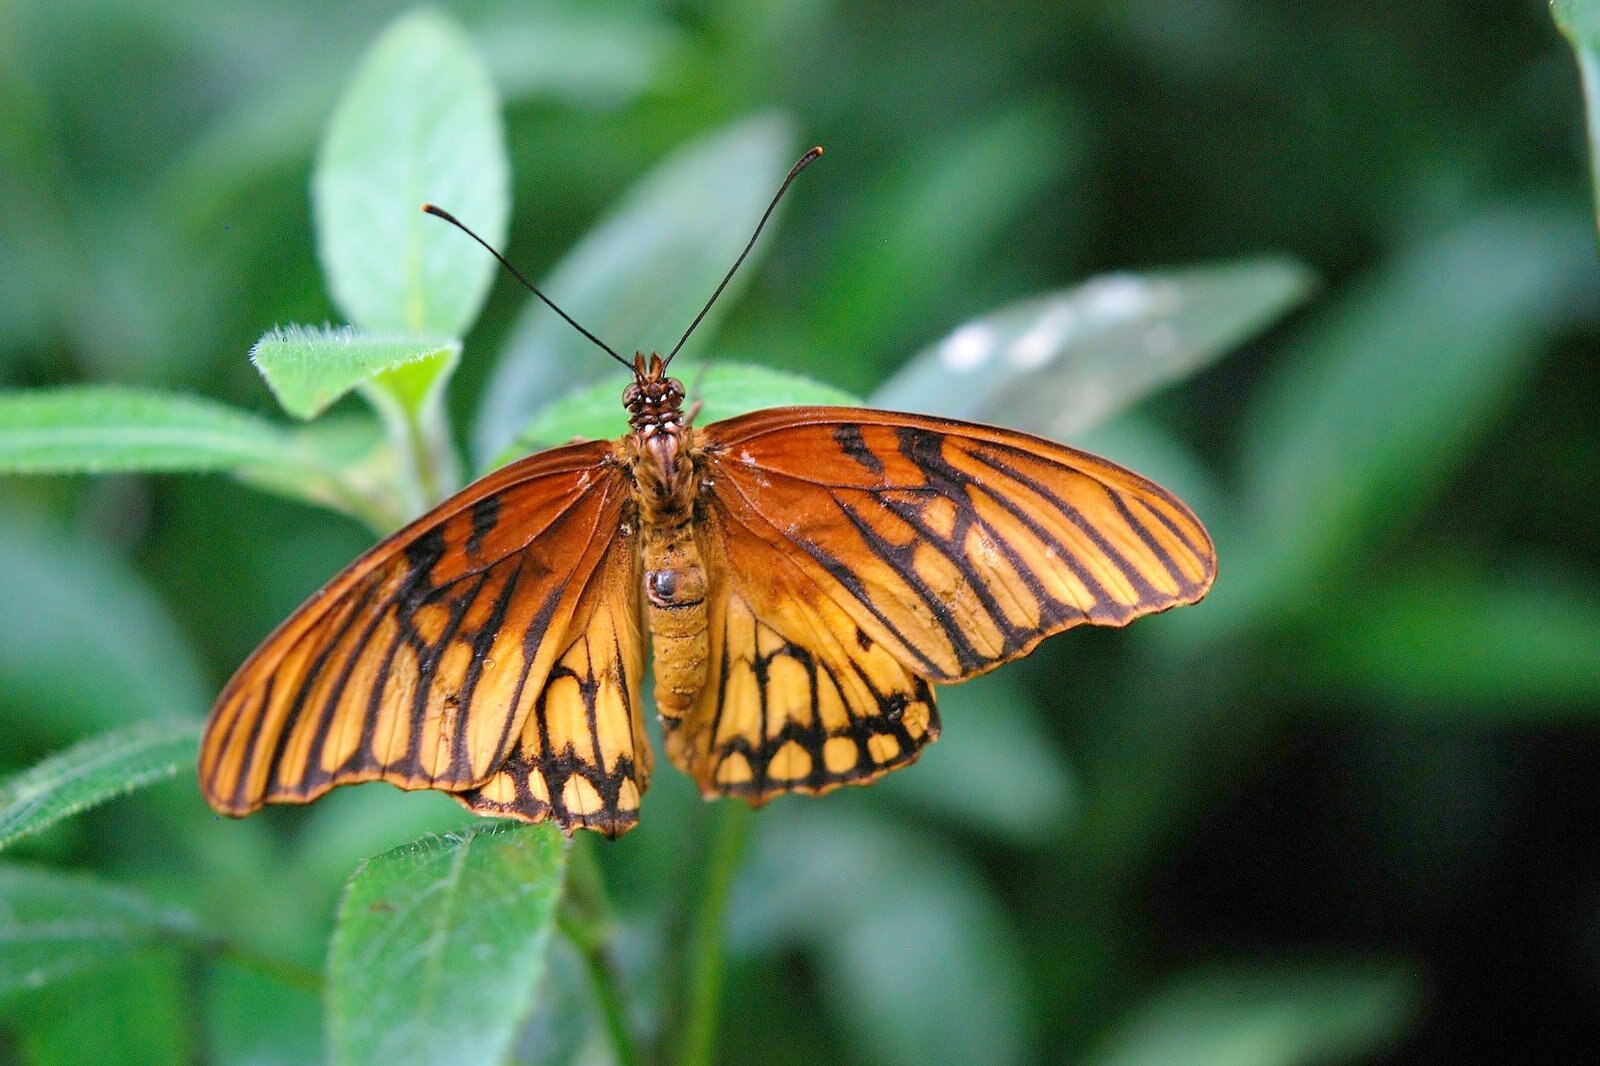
1374 407
639 277
439 946
131 1011
724 390
925 972
94 649
1299 1014
55 925
1579 21
309 368
93 771
1442 640
419 123
593 56
104 429
1060 364
109 429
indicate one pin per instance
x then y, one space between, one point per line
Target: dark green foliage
1340 812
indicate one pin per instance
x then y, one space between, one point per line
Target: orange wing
795 699
855 555
582 756
421 662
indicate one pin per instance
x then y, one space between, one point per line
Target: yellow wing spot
788 695
940 516
429 621
564 716
733 770
580 797
789 763
883 747
839 754
915 720
742 691
628 795
500 789
539 788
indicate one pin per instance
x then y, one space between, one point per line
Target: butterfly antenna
530 286
800 164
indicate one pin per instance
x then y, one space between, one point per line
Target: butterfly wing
860 543
420 663
582 757
794 699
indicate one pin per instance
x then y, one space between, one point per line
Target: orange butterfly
805 573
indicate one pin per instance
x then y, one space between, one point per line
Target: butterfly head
654 400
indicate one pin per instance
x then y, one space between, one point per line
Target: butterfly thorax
660 454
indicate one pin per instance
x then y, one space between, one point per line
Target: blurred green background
1343 811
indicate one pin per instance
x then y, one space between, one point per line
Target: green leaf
640 276
1310 1013
439 945
309 368
93 771
1061 364
1579 21
724 390
108 429
55 925
127 1012
590 56
95 649
105 429
419 123
1445 640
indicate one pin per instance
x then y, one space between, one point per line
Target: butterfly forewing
956 546
419 664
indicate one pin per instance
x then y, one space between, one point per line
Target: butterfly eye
630 395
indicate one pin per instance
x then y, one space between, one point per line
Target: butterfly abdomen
675 599
666 480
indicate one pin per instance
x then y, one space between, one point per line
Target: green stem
292 974
419 430
607 985
584 919
707 933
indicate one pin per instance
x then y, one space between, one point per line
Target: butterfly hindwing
797 698
958 546
419 664
582 757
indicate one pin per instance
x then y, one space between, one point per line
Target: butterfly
806 575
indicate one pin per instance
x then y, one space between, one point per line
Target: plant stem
584 919
289 973
603 978
419 430
705 962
